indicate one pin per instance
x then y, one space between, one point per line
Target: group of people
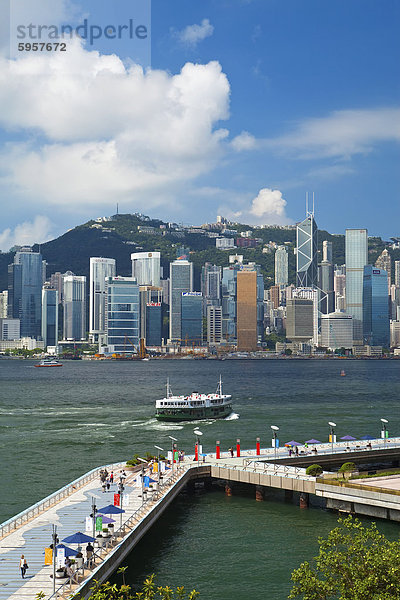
106 480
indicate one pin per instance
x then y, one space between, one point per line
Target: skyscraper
300 319
375 307
214 324
122 314
397 273
151 298
192 318
247 311
306 252
74 303
3 304
100 268
326 283
25 291
211 285
281 266
356 260
49 316
181 280
146 268
384 262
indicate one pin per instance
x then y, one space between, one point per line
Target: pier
30 532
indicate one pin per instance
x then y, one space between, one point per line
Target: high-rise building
49 316
56 283
214 324
356 260
397 273
375 307
181 280
74 303
312 294
336 331
10 329
146 268
25 291
384 261
164 284
327 252
326 285
307 252
3 304
274 294
229 275
211 285
100 269
192 318
151 297
299 319
247 311
123 318
281 266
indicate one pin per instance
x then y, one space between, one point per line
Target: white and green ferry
195 406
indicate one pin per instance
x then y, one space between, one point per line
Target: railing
31 512
148 502
358 486
290 472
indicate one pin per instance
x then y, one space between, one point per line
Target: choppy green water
56 424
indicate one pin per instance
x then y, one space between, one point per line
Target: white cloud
27 233
101 132
267 208
193 34
268 202
244 141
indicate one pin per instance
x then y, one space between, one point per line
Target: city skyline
304 100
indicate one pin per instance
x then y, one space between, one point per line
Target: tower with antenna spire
306 249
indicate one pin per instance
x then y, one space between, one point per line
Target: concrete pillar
228 488
259 493
304 500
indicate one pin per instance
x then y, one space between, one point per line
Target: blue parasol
368 437
293 443
312 441
110 510
68 551
348 438
78 538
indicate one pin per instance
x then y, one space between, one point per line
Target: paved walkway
391 482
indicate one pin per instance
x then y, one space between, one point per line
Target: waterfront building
397 273
247 311
49 316
326 279
10 329
25 291
181 280
299 319
395 334
214 324
123 315
3 304
100 269
146 268
384 261
281 266
74 304
356 249
229 275
312 294
336 331
151 298
307 252
375 307
211 276
192 318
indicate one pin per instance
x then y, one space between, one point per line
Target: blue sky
248 105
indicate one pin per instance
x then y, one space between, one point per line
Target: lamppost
142 476
384 432
173 440
54 538
274 439
93 514
198 434
158 463
332 433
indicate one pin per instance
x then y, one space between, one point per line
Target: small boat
342 373
193 407
49 362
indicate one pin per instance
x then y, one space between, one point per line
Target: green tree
314 470
150 591
354 563
347 467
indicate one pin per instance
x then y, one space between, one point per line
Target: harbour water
56 424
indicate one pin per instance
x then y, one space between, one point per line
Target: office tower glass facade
384 261
375 307
153 324
211 276
149 296
49 317
122 314
336 331
146 268
100 269
214 324
229 275
356 259
25 291
10 329
74 304
306 252
181 280
281 266
299 319
3 304
192 318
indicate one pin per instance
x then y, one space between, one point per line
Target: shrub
314 470
347 467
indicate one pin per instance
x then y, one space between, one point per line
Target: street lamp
54 538
93 513
142 476
198 434
173 440
332 432
274 439
384 431
158 462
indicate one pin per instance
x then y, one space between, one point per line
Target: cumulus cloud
193 34
101 131
26 234
244 141
267 208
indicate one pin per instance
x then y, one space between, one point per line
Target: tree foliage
150 591
354 563
314 470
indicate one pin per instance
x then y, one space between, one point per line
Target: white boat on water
49 362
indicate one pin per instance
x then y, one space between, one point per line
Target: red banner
117 499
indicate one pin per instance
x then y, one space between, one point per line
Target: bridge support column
288 495
228 488
304 500
259 493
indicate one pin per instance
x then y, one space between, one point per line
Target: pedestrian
23 565
231 451
297 451
290 451
89 554
108 484
103 485
112 477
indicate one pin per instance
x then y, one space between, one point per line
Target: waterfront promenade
30 532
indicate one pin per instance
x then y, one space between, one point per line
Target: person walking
112 477
231 451
23 565
89 554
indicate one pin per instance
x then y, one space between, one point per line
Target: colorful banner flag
117 499
99 523
48 556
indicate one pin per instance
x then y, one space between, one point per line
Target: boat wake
232 416
159 426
